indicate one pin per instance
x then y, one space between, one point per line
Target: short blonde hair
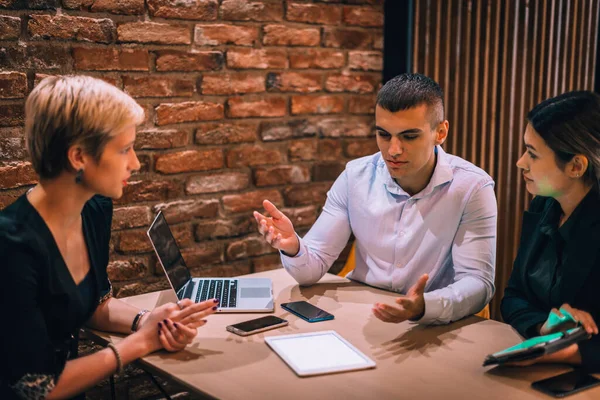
63 111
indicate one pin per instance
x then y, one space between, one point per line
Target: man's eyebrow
405 132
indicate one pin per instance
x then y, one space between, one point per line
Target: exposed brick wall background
244 99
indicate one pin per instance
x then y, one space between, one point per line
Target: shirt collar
549 223
441 175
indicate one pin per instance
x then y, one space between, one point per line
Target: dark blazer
40 300
580 284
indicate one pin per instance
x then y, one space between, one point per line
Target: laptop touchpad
255 292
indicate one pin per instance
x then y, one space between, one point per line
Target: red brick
257 58
317 104
10 27
157 139
185 210
301 216
223 228
243 107
13 85
174 113
365 60
316 58
13 149
32 4
152 32
12 115
248 10
355 83
327 171
313 194
75 28
266 263
248 247
329 150
171 60
314 13
205 10
199 256
36 56
346 38
120 270
360 147
284 35
135 241
7 198
226 133
155 86
224 270
217 183
281 175
251 155
294 82
233 83
110 59
131 217
280 130
363 16
250 201
338 127
302 150
111 6
362 104
221 34
378 41
17 174
152 190
189 160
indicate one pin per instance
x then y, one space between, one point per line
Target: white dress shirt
447 230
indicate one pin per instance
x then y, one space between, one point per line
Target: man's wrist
420 315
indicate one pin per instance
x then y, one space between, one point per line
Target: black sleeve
516 307
102 210
30 363
590 354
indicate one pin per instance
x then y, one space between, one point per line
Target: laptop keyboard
225 290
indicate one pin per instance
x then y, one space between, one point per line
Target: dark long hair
570 125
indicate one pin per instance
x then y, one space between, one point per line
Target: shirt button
401 233
399 265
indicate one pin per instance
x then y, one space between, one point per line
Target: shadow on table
418 340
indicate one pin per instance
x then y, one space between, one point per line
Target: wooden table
413 361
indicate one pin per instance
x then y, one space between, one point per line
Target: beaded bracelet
118 357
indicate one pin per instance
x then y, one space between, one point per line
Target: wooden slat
495 60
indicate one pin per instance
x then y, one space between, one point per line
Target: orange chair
351 263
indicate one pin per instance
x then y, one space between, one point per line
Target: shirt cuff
434 307
299 259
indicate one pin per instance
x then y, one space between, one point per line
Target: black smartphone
307 311
257 325
566 384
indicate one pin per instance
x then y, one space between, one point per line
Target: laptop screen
167 250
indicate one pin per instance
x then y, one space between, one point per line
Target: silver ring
179 304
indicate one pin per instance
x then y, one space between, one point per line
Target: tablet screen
318 352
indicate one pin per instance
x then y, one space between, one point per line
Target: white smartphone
257 325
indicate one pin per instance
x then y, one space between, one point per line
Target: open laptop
234 294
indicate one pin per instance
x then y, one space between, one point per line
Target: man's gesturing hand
411 306
277 230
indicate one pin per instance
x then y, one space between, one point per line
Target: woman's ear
578 166
76 157
441 132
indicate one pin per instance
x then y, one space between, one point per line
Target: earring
79 176
577 175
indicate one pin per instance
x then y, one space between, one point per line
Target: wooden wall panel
495 60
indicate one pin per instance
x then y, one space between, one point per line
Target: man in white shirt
424 220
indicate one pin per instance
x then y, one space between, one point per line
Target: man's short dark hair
406 91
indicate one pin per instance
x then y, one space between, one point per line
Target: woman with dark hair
54 245
558 262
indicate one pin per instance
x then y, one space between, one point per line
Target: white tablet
318 353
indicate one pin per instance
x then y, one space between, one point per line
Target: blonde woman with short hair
54 244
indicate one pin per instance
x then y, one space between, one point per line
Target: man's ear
76 157
441 132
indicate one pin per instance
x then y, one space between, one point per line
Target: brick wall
245 100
